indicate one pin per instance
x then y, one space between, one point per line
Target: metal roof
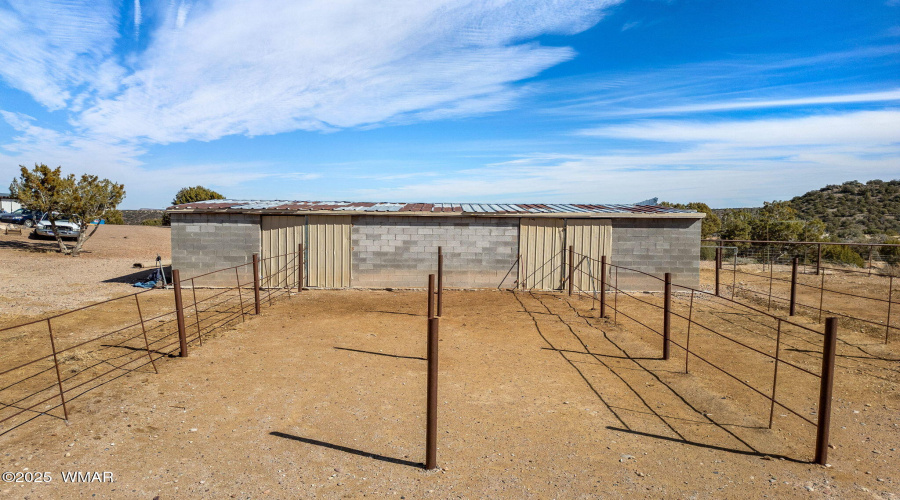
429 208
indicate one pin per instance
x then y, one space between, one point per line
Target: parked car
64 224
21 216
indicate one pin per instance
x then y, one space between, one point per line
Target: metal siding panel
330 257
280 236
592 239
541 241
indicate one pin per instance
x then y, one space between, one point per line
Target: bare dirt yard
323 395
35 278
849 293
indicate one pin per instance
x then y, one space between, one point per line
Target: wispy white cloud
743 82
726 163
743 104
276 65
858 128
50 47
138 18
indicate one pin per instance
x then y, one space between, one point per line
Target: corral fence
814 256
154 324
702 337
50 361
781 276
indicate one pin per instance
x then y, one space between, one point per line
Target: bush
114 217
842 254
152 222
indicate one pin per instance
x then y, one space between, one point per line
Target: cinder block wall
656 246
402 251
206 242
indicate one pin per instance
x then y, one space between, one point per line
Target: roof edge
568 215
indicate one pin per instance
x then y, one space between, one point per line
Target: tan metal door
281 235
591 239
541 249
328 240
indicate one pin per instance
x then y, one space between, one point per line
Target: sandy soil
848 294
324 394
35 278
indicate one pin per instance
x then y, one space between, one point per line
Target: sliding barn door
591 239
541 249
281 234
328 254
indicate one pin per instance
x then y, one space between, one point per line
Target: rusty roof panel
474 208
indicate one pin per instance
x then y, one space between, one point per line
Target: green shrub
114 217
842 254
152 222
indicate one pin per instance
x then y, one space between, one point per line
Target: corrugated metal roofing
475 208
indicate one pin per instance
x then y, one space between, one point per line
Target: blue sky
609 101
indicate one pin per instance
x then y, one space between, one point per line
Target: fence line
829 338
153 331
789 298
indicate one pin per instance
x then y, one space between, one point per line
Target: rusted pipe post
821 296
616 298
687 343
571 267
430 296
240 291
819 259
300 267
256 282
179 313
794 263
440 283
196 310
137 302
62 396
603 269
775 374
667 318
824 410
887 324
718 267
431 423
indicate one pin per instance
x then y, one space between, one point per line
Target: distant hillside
136 217
853 209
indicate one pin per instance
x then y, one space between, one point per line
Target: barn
394 245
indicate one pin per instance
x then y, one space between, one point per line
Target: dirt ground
35 278
848 293
324 395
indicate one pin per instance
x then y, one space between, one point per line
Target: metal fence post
824 409
137 302
718 267
603 286
300 267
256 282
179 313
794 263
431 418
667 318
196 310
571 267
62 396
887 324
440 282
819 259
240 291
430 295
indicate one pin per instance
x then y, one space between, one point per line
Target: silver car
66 227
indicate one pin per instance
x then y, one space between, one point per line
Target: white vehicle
64 224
